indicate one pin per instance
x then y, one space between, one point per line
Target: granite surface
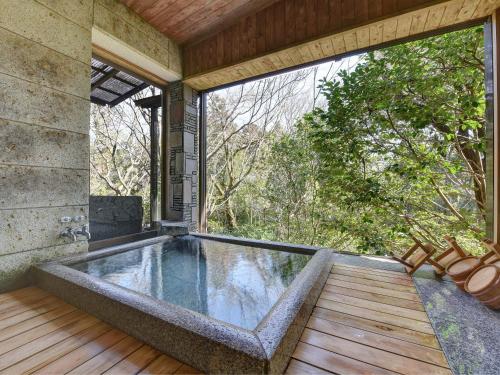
469 333
368 261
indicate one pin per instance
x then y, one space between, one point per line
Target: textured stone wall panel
34 104
34 145
46 66
35 228
42 25
26 187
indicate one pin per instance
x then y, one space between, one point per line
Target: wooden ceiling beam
291 33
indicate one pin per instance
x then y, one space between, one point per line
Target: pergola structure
110 86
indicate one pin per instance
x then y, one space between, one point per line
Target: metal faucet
84 231
69 233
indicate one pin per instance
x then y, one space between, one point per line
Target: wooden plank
390 27
379 284
385 329
372 356
373 289
404 25
370 276
451 13
36 306
434 17
162 365
376 306
375 340
376 34
21 294
363 37
485 8
41 342
135 362
467 11
185 369
108 358
375 297
39 360
326 360
36 321
350 41
418 21
338 45
376 271
408 323
40 331
82 354
299 368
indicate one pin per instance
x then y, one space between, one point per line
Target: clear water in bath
232 283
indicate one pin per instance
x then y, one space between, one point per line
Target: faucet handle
69 233
84 231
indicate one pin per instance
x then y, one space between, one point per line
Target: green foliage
399 147
401 142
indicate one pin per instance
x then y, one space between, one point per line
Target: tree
120 149
241 122
401 142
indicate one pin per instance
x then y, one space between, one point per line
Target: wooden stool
450 255
484 284
415 256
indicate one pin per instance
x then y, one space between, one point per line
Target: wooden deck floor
41 334
367 321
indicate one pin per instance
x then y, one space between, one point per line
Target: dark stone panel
112 216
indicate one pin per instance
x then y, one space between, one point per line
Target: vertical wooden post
154 132
496 117
202 166
489 126
164 154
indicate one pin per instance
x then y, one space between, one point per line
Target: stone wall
44 125
44 119
115 19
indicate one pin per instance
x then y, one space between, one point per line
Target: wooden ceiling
188 20
225 41
284 35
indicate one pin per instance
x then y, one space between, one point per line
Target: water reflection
232 283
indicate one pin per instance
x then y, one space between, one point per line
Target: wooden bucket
461 268
484 284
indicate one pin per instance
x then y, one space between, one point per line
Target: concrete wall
44 119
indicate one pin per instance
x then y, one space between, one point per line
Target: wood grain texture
357 328
40 334
184 20
377 283
296 31
414 305
375 340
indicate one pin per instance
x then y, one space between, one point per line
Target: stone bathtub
220 304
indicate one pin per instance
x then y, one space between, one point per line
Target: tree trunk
231 221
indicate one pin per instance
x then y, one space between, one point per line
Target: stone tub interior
236 284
